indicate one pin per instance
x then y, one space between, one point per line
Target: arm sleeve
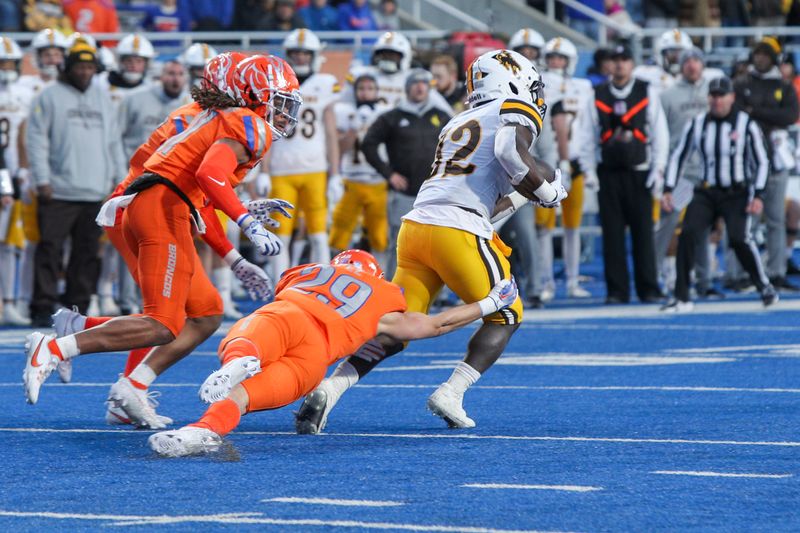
679 156
659 136
215 235
212 177
38 141
758 151
377 134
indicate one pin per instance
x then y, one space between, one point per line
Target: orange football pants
155 240
292 349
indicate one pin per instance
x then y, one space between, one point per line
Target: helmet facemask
282 109
388 61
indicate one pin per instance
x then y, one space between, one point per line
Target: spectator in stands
445 73
661 13
789 73
356 15
734 13
584 23
767 12
703 13
211 15
410 133
42 14
386 17
319 16
93 16
166 15
284 17
72 179
634 145
10 15
772 102
601 68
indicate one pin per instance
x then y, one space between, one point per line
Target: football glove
262 209
503 294
561 192
335 189
255 281
266 242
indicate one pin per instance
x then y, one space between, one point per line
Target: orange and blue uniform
156 227
321 313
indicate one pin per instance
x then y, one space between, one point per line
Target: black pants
58 222
625 201
705 207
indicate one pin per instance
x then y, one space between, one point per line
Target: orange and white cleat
39 364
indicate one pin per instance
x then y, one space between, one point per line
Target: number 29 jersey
304 152
346 303
466 179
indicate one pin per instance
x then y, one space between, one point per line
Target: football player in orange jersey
322 312
203 315
200 165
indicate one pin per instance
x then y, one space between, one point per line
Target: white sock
670 271
572 255
343 377
26 272
546 251
320 250
8 267
68 347
298 247
280 263
463 377
143 374
108 271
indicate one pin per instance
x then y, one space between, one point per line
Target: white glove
566 173
263 184
590 180
262 209
253 278
335 190
655 182
501 296
561 192
266 242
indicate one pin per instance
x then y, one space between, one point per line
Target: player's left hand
254 280
335 189
561 192
755 207
503 294
262 209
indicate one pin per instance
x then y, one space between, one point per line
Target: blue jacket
320 19
356 18
221 10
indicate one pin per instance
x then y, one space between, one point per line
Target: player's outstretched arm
411 326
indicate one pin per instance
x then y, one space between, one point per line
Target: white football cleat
446 403
313 414
64 369
218 385
12 316
68 322
576 291
188 440
108 307
39 364
136 403
678 306
547 294
117 417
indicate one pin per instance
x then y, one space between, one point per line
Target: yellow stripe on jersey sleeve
523 108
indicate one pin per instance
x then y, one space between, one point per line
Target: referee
735 165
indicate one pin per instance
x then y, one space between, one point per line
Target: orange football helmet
361 260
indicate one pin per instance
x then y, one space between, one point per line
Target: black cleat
769 295
313 414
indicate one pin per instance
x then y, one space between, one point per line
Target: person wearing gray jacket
75 161
681 103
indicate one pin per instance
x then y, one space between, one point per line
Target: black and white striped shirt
732 152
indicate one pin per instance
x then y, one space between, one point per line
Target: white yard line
719 474
566 488
330 501
252 518
463 436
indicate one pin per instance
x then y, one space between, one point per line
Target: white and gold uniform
15 100
448 237
299 164
573 98
365 191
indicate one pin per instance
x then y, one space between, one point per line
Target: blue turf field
596 423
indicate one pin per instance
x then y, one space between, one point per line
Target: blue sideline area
641 422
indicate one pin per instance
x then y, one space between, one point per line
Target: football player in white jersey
570 102
195 59
135 53
448 239
14 103
529 43
365 190
49 47
304 166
